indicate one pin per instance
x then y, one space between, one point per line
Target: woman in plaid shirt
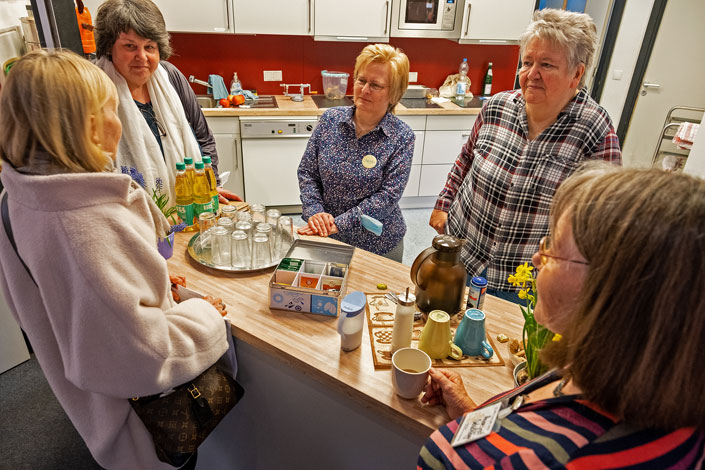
523 145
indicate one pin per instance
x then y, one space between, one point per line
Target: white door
292 17
495 20
270 167
676 66
364 19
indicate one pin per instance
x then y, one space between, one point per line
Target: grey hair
575 33
121 16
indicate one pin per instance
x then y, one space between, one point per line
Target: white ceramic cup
410 371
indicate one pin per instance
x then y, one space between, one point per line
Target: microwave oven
427 18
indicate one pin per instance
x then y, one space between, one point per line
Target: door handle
386 17
467 23
647 86
309 16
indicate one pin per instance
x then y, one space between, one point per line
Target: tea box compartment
311 278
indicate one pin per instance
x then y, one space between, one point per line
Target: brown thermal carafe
439 276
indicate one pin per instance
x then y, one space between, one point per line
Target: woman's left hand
224 195
307 230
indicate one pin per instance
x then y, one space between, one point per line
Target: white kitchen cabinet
270 170
495 21
204 16
443 146
361 20
412 187
293 17
418 125
226 131
433 179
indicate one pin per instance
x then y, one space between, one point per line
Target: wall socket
413 77
272 75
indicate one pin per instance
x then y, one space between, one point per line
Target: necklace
558 391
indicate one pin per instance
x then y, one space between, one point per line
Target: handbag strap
8 230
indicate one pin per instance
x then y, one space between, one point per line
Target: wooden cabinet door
292 17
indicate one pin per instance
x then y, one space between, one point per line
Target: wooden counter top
307 107
310 343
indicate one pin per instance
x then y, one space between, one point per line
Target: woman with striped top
618 280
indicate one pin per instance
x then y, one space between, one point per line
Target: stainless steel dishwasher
271 151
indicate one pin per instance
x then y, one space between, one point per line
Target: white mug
410 368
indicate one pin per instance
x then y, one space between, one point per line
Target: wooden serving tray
380 321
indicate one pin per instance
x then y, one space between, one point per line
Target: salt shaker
403 321
351 320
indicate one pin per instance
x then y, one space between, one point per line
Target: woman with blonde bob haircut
358 160
398 64
618 279
83 277
81 91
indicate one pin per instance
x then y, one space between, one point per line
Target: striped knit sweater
565 433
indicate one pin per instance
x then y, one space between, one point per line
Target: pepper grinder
403 321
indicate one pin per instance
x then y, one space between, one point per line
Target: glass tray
195 251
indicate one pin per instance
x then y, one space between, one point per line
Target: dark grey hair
575 33
120 16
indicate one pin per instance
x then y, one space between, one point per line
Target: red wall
301 60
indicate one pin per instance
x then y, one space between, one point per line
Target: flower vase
166 246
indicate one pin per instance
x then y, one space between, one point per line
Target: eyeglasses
149 114
376 87
545 245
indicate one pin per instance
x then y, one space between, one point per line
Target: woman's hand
438 220
224 195
217 303
446 388
322 224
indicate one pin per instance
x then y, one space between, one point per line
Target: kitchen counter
281 352
308 108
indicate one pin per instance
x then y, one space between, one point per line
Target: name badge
369 161
476 425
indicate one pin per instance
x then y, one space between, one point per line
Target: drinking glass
257 214
229 211
245 227
265 228
260 251
285 237
240 246
244 216
220 240
273 220
227 223
206 221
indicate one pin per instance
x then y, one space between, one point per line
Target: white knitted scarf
138 147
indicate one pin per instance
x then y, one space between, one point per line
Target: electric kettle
439 276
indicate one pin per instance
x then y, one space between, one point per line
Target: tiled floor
419 234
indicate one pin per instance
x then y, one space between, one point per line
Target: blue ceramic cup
471 336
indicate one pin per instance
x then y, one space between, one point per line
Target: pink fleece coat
102 323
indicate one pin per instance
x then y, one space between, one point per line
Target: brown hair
575 33
120 16
398 66
635 342
47 103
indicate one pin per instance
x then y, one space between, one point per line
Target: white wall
11 11
624 57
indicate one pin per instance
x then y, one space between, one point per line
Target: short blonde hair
398 66
575 33
52 101
634 342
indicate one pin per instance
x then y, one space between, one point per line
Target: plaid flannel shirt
502 206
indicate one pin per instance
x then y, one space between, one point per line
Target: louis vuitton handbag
179 421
